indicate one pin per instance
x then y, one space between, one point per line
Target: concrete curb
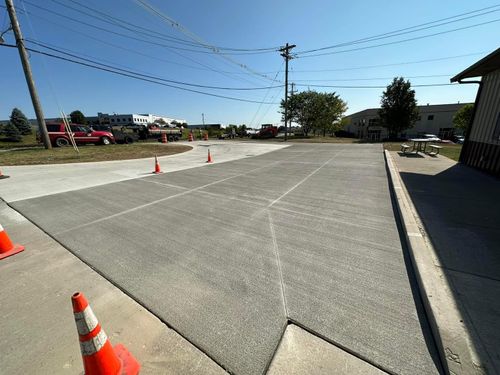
454 341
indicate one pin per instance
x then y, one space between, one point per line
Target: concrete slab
303 353
58 178
216 251
38 329
458 214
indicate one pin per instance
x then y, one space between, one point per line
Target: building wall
482 148
433 119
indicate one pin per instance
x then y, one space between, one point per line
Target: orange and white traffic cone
190 138
205 137
209 159
7 248
164 138
157 166
99 357
2 176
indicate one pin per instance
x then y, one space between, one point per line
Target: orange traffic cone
209 160
190 139
157 166
164 138
7 248
2 176
205 137
99 357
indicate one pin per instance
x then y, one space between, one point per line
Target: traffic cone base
157 166
99 357
7 248
2 176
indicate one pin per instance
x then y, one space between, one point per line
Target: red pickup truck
81 133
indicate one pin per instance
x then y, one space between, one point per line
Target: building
481 148
133 119
433 119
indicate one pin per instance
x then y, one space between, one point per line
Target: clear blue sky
240 24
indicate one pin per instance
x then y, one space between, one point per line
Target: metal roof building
482 142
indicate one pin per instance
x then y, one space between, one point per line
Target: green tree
462 118
20 121
77 117
12 133
315 111
398 110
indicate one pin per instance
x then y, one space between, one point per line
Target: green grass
89 153
27 141
451 151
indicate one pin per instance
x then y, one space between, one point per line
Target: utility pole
291 94
203 119
27 73
285 52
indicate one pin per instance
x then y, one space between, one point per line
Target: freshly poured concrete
301 352
227 253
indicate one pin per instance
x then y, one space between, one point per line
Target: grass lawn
89 153
451 151
27 141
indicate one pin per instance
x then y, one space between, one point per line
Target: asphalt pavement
228 254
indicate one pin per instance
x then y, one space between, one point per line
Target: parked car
431 137
81 133
458 139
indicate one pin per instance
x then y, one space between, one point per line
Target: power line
259 50
123 35
377 87
369 79
148 7
151 76
133 76
402 40
410 29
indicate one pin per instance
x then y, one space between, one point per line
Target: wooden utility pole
291 94
285 52
27 73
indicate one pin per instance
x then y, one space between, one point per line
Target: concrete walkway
30 181
459 208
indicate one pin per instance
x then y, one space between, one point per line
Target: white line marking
413 234
278 261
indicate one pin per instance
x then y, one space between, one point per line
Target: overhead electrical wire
376 87
369 79
134 76
410 29
185 41
172 50
148 7
151 76
400 41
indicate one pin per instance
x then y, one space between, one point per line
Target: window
430 117
53 128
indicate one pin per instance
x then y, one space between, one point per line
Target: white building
433 119
136 119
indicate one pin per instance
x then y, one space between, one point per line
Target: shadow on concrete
460 210
419 304
409 155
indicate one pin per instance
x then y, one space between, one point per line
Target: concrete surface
458 214
38 180
228 252
300 353
38 332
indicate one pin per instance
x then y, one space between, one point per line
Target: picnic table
419 144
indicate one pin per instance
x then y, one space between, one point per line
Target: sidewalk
459 208
38 332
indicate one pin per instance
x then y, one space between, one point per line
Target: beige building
433 119
482 142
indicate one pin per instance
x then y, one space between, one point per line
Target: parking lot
228 254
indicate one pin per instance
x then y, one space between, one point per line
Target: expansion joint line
278 261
